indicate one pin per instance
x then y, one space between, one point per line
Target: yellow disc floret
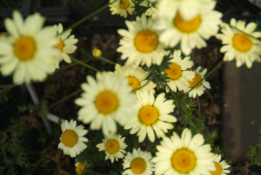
218 171
60 45
148 115
242 42
146 41
106 102
112 146
195 80
174 71
124 4
183 160
69 138
133 82
24 48
138 165
186 26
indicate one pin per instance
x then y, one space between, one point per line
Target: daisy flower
114 147
140 43
80 167
221 166
137 77
239 46
121 7
105 101
29 50
153 116
186 155
187 8
200 88
137 163
178 73
65 46
72 138
190 33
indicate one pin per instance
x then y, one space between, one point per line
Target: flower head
121 7
72 138
221 166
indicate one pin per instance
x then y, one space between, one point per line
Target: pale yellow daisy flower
29 50
140 43
137 163
114 147
221 166
80 167
199 89
105 101
153 116
239 46
178 72
183 155
121 7
72 138
190 33
137 77
65 46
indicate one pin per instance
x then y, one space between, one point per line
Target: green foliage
6 94
254 151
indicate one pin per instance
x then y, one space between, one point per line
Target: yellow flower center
174 71
148 115
25 48
124 4
186 26
195 80
60 45
183 160
218 171
69 138
106 102
138 165
133 82
112 146
146 41
80 168
242 42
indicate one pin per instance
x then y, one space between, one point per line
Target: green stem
86 65
108 61
215 68
87 17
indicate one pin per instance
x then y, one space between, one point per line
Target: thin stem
86 65
87 17
8 88
108 61
208 74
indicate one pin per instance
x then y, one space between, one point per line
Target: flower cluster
139 98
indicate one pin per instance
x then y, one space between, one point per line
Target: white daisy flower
137 163
137 77
29 50
72 138
106 101
199 89
190 33
178 73
153 116
187 8
140 44
65 46
114 147
121 7
221 166
185 155
239 46
80 167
